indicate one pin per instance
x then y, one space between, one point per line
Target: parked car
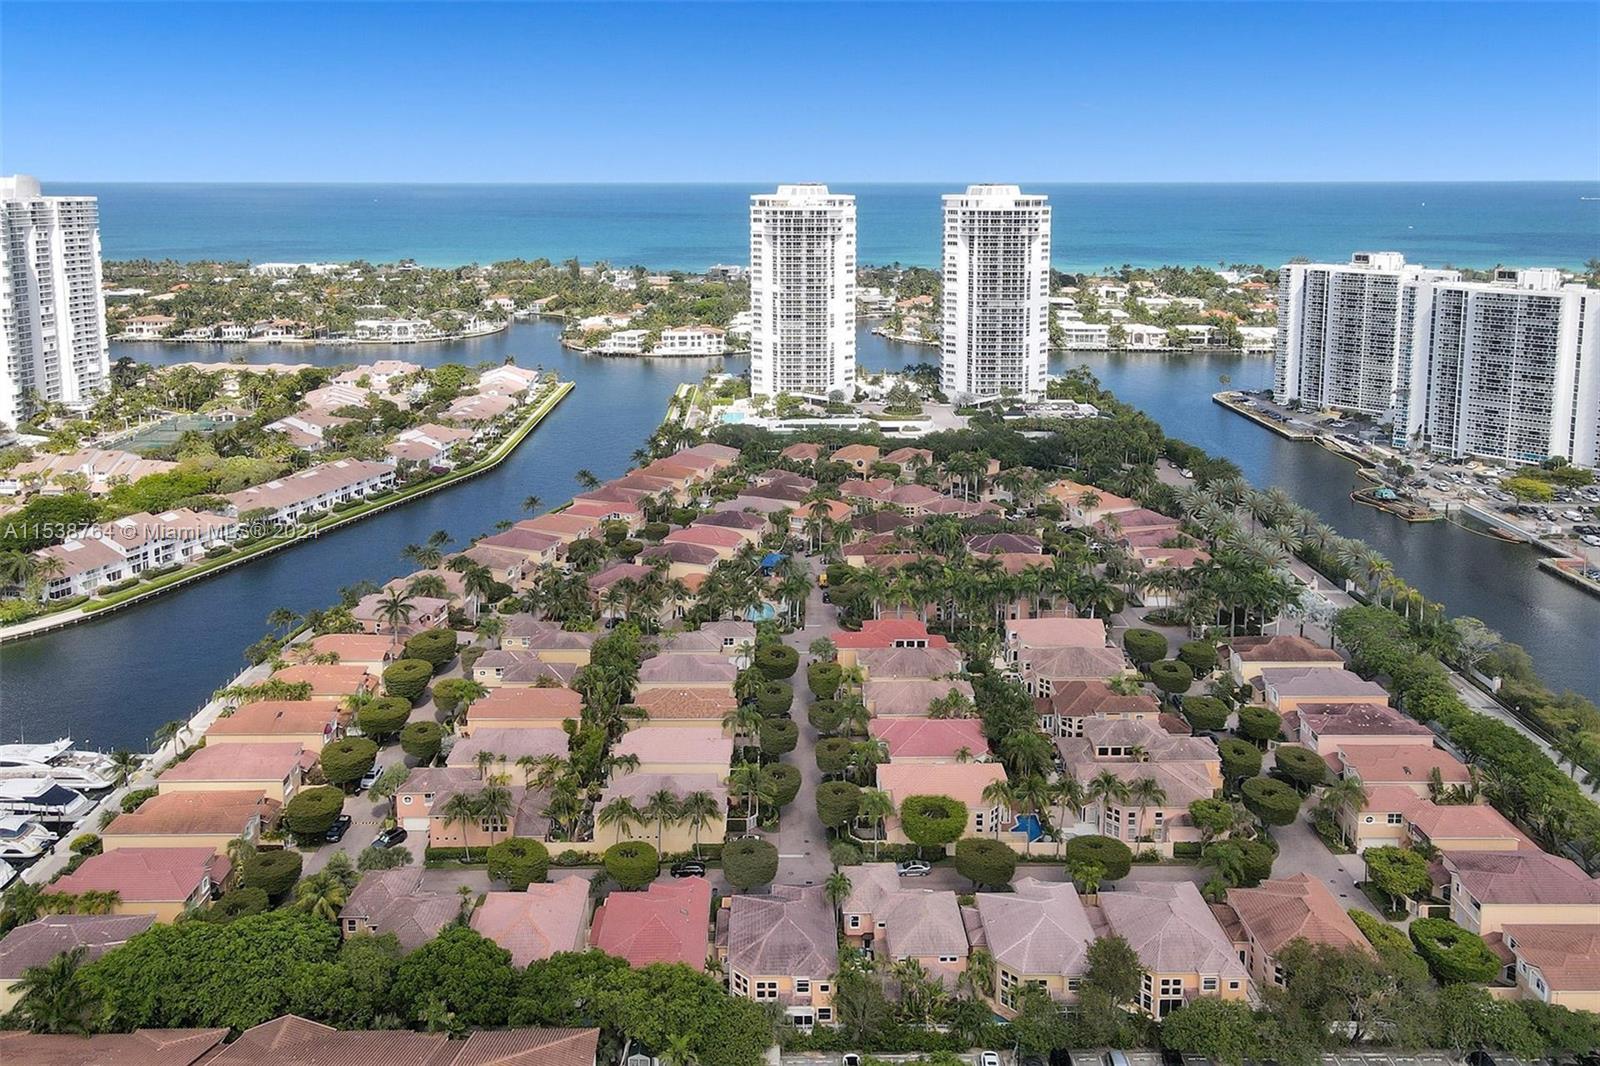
370 778
336 831
989 1058
913 868
689 868
390 837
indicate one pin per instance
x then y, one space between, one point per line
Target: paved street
802 841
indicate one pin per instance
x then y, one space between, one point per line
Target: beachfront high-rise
803 292
996 328
53 346
1338 325
1507 369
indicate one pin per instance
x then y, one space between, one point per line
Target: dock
1234 401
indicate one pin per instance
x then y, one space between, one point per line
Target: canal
111 682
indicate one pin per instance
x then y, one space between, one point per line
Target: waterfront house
683 749
1185 768
103 468
1488 890
538 922
566 526
171 538
1073 703
381 376
274 769
521 708
540 549
1285 689
429 444
395 901
479 411
142 1047
885 663
329 681
313 491
691 341
362 649
1329 727
699 671
1262 921
40 942
147 327
667 922
675 837
308 723
1182 948
192 820
1248 656
507 379
164 882
293 1041
506 567
80 566
1555 964
930 740
910 697
1038 935
427 612
781 948
964 782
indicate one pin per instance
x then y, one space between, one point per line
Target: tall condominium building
1338 326
52 314
996 292
1507 369
803 292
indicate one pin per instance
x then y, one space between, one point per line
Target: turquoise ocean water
690 227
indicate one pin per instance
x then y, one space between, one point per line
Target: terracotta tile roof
145 875
142 1047
668 922
563 524
1058 632
545 636
1442 824
526 704
927 738
1409 764
997 543
394 901
1282 649
183 813
1038 929
1568 956
1171 928
237 762
1298 907
509 745
1073 663
790 932
711 536
909 697
687 670
355 647
37 942
676 744
959 781
529 1047
921 922
1528 877
883 663
679 552
536 924
802 453
852 452
882 521
619 572
887 633
267 717
295 1041
523 540
1359 719
749 520
337 678
1302 682
525 668
1088 699
678 704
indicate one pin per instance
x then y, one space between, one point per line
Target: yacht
7 874
84 770
43 799
22 839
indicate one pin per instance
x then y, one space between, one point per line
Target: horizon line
879 182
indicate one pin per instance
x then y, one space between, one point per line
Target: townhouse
547 640
103 468
1488 890
395 901
329 681
1072 704
674 750
308 723
312 491
38 942
685 706
427 612
273 769
1038 935
1284 689
883 633
781 948
681 781
538 922
1326 728
1555 964
192 820
1262 921
1248 656
667 922
164 882
886 663
963 782
1181 946
1183 769
910 697
892 922
711 672
363 649
930 740
521 708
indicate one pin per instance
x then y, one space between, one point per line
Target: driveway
802 841
1301 851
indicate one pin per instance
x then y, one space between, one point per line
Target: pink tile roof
677 744
1359 719
530 704
1409 764
38 942
1568 956
536 924
668 922
1442 824
1058 632
929 738
1297 907
144 875
886 632
266 717
142 1047
237 762
959 781
1525 877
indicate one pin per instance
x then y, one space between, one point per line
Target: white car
913 868
989 1058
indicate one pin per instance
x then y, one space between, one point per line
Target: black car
689 868
336 831
389 838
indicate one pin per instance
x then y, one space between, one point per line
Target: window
766 990
802 986
947 958
1395 819
824 1014
1208 984
1233 986
740 985
855 921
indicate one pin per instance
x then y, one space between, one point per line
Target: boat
22 839
84 770
44 799
8 873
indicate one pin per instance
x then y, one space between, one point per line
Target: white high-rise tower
52 312
802 291
996 292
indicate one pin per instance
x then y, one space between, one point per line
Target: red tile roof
665 923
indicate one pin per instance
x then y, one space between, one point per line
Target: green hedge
407 678
1302 766
775 698
1144 646
434 646
933 821
312 811
1199 655
784 781
1108 853
345 761
633 864
778 736
1240 758
421 740
1171 676
273 872
984 861
777 661
1271 800
748 863
1206 714
1259 723
519 862
1454 955
824 679
825 716
384 717
837 802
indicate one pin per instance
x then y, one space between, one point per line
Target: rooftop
668 922
1038 929
926 738
145 875
1527 877
1298 907
537 923
1568 956
237 762
181 813
790 931
1360 719
1171 928
690 744
37 942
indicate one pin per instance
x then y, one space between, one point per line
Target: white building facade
996 337
802 292
53 345
1507 369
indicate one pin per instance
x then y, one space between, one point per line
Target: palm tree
461 809
171 732
124 764
1146 792
837 889
321 894
394 610
430 553
1000 794
495 806
678 1051
1343 798
699 809
586 478
622 813
1107 788
876 805
54 998
531 504
662 807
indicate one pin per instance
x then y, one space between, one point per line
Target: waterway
112 681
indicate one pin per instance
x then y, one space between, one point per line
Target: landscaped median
330 521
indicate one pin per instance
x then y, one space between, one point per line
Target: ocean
690 227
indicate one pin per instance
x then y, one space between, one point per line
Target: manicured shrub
1171 676
421 740
237 904
824 679
833 755
933 821
654 531
825 716
383 718
1205 714
132 800
1258 860
1259 723
748 863
273 872
518 862
1144 646
312 811
435 646
1240 758
778 735
1186 849
447 692
1199 655
85 844
1391 944
837 802
777 661
344 761
1454 955
845 853
633 864
783 780
1271 800
984 861
407 678
1302 766
775 698
1108 853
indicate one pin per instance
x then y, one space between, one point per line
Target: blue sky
730 92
